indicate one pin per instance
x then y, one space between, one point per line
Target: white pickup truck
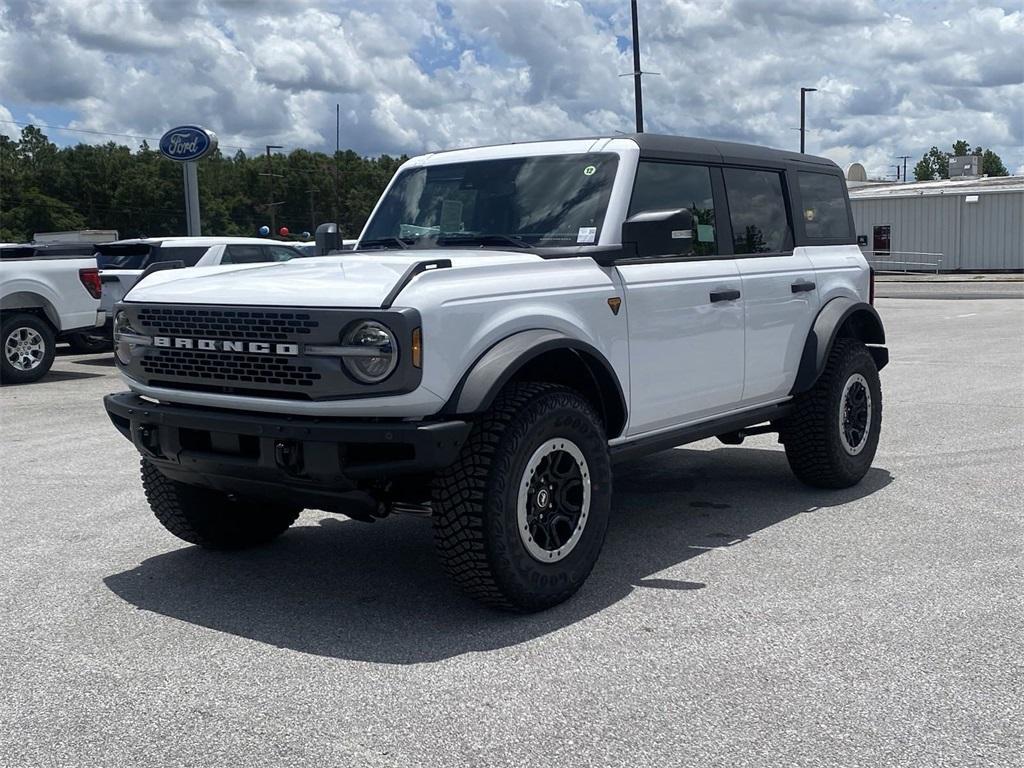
47 292
123 261
513 321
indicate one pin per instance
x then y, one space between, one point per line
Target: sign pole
193 225
186 144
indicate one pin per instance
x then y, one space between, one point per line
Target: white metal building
976 224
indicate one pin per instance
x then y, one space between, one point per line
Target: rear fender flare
840 318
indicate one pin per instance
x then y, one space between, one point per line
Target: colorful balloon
264 230
283 231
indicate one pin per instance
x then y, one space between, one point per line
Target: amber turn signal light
417 348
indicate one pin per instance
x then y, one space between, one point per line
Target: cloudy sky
894 76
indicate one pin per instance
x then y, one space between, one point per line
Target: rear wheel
832 434
522 514
28 348
213 519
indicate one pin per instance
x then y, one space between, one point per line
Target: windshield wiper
383 242
482 239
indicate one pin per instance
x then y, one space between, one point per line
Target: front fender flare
499 364
862 322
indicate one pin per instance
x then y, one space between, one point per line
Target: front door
685 311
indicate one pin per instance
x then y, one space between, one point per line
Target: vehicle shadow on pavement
350 590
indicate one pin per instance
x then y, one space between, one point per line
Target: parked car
122 262
47 293
311 248
513 321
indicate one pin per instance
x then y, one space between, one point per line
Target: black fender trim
865 324
499 364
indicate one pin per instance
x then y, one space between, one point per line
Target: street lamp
803 113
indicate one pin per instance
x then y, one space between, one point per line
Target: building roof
978 186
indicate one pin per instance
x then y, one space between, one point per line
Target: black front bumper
281 456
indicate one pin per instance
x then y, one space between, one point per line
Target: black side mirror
327 239
659 233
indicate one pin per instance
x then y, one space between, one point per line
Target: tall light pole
271 205
803 114
638 93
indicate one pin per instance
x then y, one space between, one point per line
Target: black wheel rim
855 414
554 499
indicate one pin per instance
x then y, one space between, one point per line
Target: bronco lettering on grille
220 345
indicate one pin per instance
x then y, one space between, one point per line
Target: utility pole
904 158
803 114
638 93
312 211
271 204
337 165
897 171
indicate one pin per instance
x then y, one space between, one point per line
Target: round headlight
372 353
122 349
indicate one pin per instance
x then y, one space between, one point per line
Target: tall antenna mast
638 92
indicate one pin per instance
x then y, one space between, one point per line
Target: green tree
935 163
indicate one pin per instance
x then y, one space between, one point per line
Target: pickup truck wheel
28 349
212 519
90 343
521 516
832 434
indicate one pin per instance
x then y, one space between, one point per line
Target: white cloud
893 77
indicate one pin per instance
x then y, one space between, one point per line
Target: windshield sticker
586 235
706 233
451 216
590 170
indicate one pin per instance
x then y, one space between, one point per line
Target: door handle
724 295
801 287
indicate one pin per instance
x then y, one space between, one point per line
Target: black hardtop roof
653 145
665 147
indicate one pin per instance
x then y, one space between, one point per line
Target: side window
757 209
281 253
244 254
662 186
188 256
824 205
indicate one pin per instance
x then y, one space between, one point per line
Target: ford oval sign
187 142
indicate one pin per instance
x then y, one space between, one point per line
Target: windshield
555 200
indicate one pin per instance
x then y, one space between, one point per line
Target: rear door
684 310
780 296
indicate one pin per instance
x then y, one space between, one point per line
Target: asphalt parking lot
735 618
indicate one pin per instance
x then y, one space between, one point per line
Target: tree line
935 163
46 188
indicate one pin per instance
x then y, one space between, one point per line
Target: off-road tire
210 518
90 343
9 374
812 432
476 530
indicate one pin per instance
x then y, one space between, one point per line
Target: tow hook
288 456
148 440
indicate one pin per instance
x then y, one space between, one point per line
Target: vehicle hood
346 280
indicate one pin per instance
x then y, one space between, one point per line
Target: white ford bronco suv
513 321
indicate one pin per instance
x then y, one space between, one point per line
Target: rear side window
282 253
244 254
667 186
188 256
824 205
757 210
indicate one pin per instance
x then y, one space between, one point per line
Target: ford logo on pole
187 142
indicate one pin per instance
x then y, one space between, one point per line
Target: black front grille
227 323
228 368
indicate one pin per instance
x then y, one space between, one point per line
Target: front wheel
832 434
523 512
28 349
90 343
212 519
